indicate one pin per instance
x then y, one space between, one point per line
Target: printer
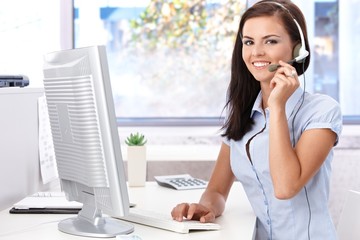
14 81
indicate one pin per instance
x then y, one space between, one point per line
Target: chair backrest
349 224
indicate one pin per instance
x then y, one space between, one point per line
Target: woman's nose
258 50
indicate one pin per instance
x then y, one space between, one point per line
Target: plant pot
136 165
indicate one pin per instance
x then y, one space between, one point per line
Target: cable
308 202
297 111
293 141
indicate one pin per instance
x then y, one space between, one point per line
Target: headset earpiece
302 52
296 51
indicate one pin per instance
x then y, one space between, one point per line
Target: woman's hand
212 201
192 211
283 84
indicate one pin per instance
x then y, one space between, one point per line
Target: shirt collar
290 104
257 107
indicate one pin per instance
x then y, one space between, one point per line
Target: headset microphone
299 53
273 67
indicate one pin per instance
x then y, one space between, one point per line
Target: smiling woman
270 127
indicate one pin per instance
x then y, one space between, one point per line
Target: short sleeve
225 139
326 113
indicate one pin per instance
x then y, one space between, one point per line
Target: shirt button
268 222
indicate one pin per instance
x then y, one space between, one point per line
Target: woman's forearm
285 167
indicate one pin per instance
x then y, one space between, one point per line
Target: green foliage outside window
179 50
185 23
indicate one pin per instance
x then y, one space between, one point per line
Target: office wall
19 160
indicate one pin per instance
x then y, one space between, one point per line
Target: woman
278 139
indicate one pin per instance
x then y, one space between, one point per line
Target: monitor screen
86 141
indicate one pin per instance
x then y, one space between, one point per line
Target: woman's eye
248 42
270 41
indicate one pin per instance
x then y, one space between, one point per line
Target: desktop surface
237 222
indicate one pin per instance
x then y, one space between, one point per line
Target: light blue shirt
307 212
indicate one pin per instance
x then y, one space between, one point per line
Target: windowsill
202 143
179 152
177 143
351 130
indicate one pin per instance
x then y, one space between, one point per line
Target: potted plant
136 159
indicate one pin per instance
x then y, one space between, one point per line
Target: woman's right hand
212 201
193 211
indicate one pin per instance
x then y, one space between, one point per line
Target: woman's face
265 41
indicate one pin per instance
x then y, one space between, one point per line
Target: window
332 28
172 60
165 74
168 59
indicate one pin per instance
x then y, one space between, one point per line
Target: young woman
278 139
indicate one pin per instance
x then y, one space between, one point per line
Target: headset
299 52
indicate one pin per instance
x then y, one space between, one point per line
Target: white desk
237 222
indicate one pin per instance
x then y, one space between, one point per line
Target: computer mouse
128 237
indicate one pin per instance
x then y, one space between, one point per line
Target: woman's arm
212 201
291 168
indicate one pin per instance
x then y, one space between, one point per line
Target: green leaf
136 139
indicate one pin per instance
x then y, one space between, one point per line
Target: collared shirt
306 213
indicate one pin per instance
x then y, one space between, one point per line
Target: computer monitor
86 141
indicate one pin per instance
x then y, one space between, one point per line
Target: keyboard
47 200
163 221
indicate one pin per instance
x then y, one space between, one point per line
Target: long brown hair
243 88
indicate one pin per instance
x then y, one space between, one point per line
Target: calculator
181 182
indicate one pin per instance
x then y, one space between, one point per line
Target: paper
47 159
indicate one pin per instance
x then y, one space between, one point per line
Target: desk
237 222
